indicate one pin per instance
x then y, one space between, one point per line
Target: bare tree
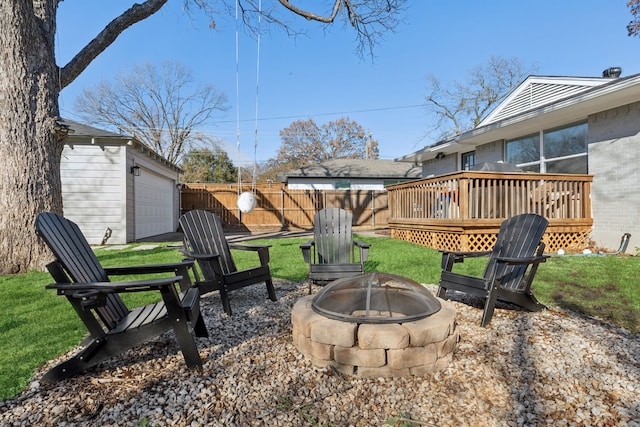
162 108
31 137
462 105
304 143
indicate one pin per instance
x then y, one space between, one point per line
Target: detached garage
115 188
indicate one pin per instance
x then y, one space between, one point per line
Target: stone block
382 372
344 369
432 329
321 351
425 370
443 362
449 345
383 336
412 356
359 357
303 316
330 331
321 363
303 344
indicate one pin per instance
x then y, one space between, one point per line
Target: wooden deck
463 210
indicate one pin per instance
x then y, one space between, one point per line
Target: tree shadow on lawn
604 303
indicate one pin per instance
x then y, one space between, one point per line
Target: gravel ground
546 368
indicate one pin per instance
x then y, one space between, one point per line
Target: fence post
373 209
282 211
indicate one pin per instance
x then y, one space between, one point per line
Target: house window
343 184
565 150
561 150
468 160
524 152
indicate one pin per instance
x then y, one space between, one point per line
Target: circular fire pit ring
376 349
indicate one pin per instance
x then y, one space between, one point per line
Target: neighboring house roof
540 103
80 132
355 168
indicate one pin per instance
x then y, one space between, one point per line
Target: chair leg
187 344
526 301
181 327
489 306
226 305
200 329
442 292
91 355
271 290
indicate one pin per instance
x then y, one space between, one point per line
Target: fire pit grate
375 298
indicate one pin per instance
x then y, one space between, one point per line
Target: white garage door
153 204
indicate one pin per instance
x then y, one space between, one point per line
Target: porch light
135 170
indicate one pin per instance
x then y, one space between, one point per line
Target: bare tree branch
463 105
161 108
634 25
108 35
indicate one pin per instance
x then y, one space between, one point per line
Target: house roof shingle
355 168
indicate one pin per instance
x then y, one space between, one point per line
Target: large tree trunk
30 146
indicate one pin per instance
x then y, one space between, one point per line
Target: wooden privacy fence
279 208
463 210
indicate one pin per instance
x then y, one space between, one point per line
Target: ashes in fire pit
376 324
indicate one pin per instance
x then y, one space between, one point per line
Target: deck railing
472 203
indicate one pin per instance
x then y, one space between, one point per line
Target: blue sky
320 76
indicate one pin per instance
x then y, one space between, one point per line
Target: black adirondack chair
331 254
113 327
204 242
512 264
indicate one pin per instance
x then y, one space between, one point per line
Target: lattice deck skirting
574 241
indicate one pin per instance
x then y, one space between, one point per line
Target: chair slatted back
333 236
519 236
203 234
74 254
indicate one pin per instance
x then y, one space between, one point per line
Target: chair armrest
306 250
201 257
524 260
114 287
360 244
462 255
148 269
451 257
364 250
263 250
307 245
247 247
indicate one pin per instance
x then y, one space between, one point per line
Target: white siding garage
154 210
106 198
92 193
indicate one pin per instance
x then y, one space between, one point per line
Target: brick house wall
614 160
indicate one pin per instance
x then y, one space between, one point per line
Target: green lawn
37 325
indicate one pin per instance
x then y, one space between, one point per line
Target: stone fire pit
416 347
